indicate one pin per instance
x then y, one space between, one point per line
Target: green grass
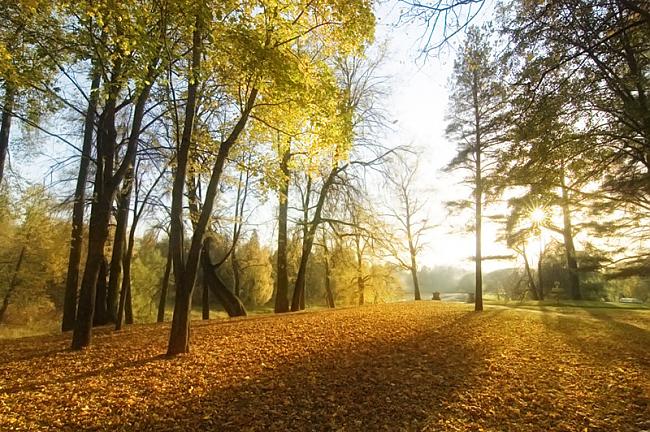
565 304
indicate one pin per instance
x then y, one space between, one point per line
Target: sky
418 103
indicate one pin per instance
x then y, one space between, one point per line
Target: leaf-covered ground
409 366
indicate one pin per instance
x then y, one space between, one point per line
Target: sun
537 215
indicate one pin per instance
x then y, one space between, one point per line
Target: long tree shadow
377 384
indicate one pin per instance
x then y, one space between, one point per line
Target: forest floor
406 366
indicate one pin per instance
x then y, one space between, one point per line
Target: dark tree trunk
329 295
282 291
101 313
361 282
309 234
128 307
12 285
76 236
98 227
164 287
230 302
569 247
236 273
5 126
119 245
124 303
185 270
529 273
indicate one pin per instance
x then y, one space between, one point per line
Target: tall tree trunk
98 227
185 270
329 295
309 234
101 314
5 126
119 244
12 285
478 198
164 286
124 306
569 247
361 282
76 236
282 291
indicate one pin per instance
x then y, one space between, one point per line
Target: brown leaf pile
409 366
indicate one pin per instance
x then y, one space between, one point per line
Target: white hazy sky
418 102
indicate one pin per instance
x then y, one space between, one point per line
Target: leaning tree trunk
12 285
282 290
76 236
529 274
5 126
230 302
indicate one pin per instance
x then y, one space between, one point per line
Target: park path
405 366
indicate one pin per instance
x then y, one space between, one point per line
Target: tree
474 124
409 221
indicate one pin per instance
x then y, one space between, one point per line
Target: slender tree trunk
12 285
164 286
5 126
529 273
329 295
361 283
236 273
124 304
309 235
76 236
478 199
282 291
569 247
119 245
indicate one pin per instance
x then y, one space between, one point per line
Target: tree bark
282 291
164 286
361 283
308 238
5 126
98 227
12 285
230 302
101 314
569 247
76 236
119 245
185 270
329 295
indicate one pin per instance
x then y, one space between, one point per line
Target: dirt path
426 366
